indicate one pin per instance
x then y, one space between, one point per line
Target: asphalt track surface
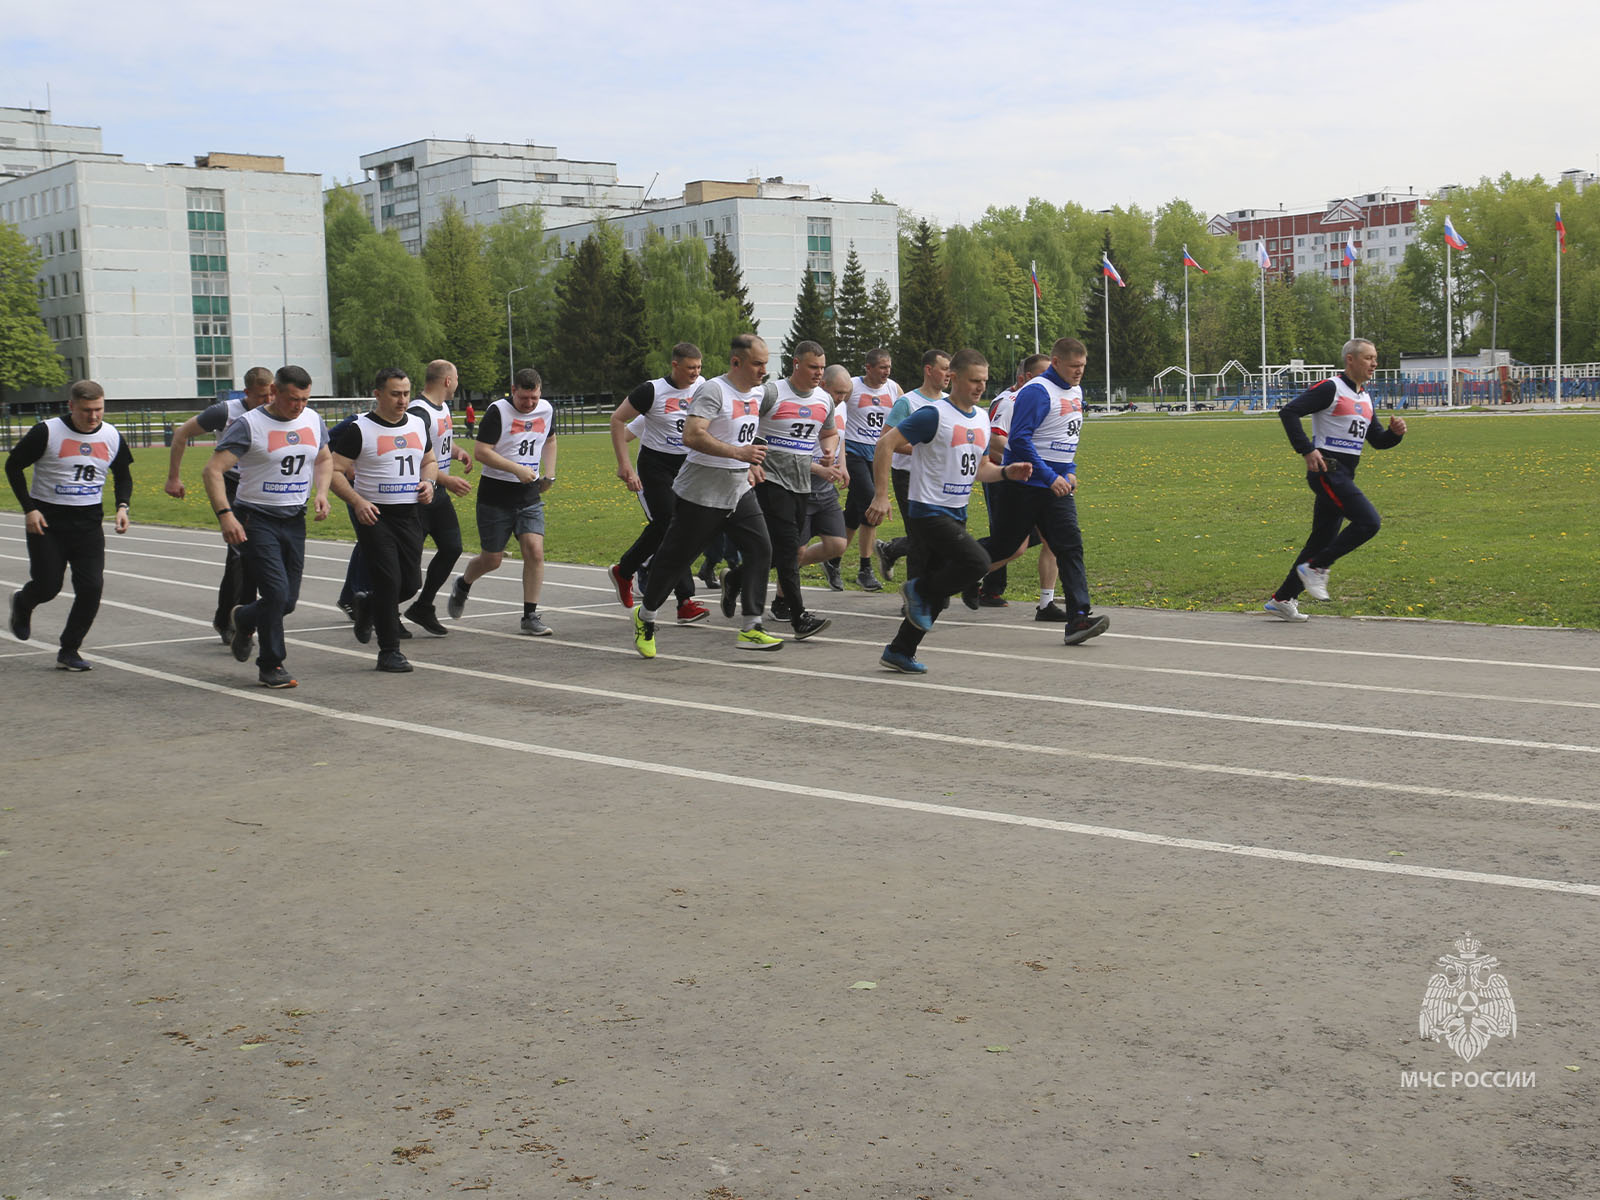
1148 917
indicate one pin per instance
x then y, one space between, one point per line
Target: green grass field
1486 518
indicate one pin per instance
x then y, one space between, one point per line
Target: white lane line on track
885 680
1291 648
1265 853
914 734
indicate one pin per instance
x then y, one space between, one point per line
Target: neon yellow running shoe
644 635
759 639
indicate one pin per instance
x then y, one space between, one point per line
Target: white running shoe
1285 610
1315 579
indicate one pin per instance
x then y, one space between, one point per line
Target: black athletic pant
994 583
73 537
237 586
785 512
656 473
392 553
691 530
275 550
1022 509
944 558
900 547
861 492
440 523
1338 500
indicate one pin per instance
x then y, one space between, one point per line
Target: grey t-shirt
792 471
715 487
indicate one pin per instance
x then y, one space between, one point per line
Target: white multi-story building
169 282
777 231
31 141
405 188
1380 225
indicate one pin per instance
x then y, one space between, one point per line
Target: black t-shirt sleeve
642 397
23 455
345 440
1312 400
489 427
122 474
213 419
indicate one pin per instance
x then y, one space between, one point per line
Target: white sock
1046 596
647 614
752 623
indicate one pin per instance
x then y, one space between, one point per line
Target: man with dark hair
992 592
796 422
280 458
824 519
947 440
389 454
236 586
715 492
439 517
664 405
516 447
872 395
1046 422
63 507
935 379
1342 422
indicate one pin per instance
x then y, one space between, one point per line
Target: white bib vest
900 460
1056 438
735 424
441 424
522 437
943 470
664 419
1342 426
390 463
74 466
869 410
277 470
794 424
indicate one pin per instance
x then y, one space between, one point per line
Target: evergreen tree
459 279
28 356
881 327
850 314
625 365
729 281
580 345
811 321
927 317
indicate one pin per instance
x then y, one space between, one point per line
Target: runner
715 493
1342 422
992 592
824 519
947 440
662 407
63 507
516 447
439 517
872 395
383 467
794 428
236 586
935 379
279 455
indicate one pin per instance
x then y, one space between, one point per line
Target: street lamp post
1013 344
1494 325
511 358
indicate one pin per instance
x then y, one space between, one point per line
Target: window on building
72 195
80 329
52 286
1394 251
49 245
627 239
1393 231
727 225
73 233
1408 231
204 200
77 284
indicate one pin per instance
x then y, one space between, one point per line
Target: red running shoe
623 584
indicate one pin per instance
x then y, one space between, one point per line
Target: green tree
683 305
850 314
1132 323
28 357
882 325
729 282
519 257
458 276
626 361
927 317
345 226
385 313
812 321
580 349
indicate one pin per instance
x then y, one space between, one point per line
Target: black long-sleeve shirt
31 449
1315 399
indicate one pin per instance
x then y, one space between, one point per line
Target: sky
946 108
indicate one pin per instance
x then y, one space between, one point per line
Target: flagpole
1188 382
1558 314
1449 336
1261 262
1352 301
1107 280
1033 269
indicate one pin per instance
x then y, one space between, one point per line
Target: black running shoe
21 621
426 616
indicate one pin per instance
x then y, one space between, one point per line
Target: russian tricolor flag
1188 261
1455 240
1109 271
1561 230
1262 257
1350 253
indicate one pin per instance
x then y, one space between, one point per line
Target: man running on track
935 379
872 395
439 517
63 508
947 440
715 492
664 406
824 517
992 592
516 447
279 453
236 587
1342 422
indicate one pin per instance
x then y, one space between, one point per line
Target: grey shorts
496 524
824 517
